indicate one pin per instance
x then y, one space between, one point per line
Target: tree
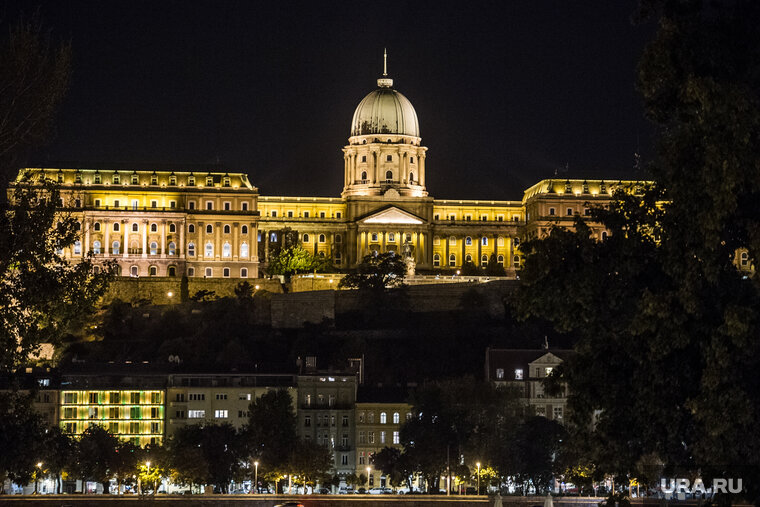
294 259
537 442
22 433
394 465
58 454
376 273
244 291
493 268
34 80
310 461
470 269
97 456
217 451
271 433
203 295
41 293
666 324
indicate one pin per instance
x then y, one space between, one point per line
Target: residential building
326 403
379 416
526 370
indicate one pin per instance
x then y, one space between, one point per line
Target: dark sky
506 92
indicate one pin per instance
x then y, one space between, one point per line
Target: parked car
289 504
346 491
380 491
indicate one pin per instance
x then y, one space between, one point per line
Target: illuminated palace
215 225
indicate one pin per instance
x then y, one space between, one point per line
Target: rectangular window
344 459
362 437
518 374
172 204
557 413
220 414
500 373
382 437
244 206
69 398
209 205
569 212
227 206
134 398
337 214
307 421
396 437
154 413
197 396
134 412
551 211
155 427
221 396
244 396
94 398
179 414
274 214
154 204
361 458
306 214
290 214
191 205
345 420
371 437
196 414
113 412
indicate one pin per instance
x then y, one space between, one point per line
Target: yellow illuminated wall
134 415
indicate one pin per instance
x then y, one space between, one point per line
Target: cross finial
385 61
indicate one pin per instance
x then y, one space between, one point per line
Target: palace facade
216 225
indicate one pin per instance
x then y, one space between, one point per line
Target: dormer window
172 180
209 181
154 179
78 177
96 179
191 180
226 182
135 179
116 179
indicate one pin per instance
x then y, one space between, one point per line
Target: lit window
153 248
196 414
518 374
396 437
226 250
172 248
500 373
209 249
191 249
115 247
77 247
396 419
484 241
468 241
96 247
436 260
383 418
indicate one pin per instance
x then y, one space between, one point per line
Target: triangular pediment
392 215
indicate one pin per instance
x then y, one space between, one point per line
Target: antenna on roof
385 61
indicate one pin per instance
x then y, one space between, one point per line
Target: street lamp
256 475
368 470
478 465
37 476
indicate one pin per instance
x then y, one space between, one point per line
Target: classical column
163 239
417 247
181 246
86 225
421 159
235 242
480 249
253 250
107 246
126 238
145 239
217 242
266 245
374 166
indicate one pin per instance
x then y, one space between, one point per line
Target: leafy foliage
377 272
22 433
294 259
41 293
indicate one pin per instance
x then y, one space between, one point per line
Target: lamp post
256 476
478 465
368 470
37 476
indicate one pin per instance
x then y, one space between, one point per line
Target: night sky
506 92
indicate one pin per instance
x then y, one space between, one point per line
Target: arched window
153 248
484 260
226 250
364 175
243 272
468 241
244 229
388 175
153 228
338 238
133 271
322 238
191 271
226 229
115 247
374 236
135 227
172 271
452 240
396 418
516 260
172 248
191 228
484 241
468 258
209 273
604 235
96 227
153 271
305 238
116 227
96 247
226 272
77 247
436 260
209 249
744 259
117 270
338 258
172 228
383 418
500 241
273 237
452 260
191 249
244 250
209 229
77 226
411 177
500 260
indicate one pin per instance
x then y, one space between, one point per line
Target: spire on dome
385 81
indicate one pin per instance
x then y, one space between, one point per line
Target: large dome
385 111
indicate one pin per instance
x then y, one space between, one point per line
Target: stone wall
294 309
157 289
